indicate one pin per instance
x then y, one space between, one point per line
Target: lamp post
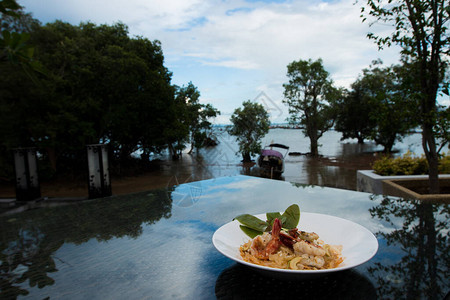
98 167
27 180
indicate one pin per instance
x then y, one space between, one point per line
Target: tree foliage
15 26
191 119
420 28
105 87
377 107
423 240
76 224
353 111
250 124
310 95
442 128
102 86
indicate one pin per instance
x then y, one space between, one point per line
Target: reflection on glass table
157 244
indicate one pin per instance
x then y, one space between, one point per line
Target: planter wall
368 181
416 189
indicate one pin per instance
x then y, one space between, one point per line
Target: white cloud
267 38
257 40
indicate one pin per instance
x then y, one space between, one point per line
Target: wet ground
336 167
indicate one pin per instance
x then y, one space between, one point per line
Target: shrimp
312 261
308 236
305 247
300 262
262 250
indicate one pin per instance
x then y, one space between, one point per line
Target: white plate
359 244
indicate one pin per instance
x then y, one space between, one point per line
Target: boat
272 161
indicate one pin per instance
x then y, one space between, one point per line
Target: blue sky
237 50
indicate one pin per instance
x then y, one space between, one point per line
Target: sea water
336 166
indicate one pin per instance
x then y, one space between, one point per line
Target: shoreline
336 167
189 169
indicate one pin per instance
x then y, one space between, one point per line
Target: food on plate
284 246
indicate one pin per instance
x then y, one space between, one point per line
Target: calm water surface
336 168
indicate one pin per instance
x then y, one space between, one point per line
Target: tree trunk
52 158
431 253
192 143
429 148
172 152
428 110
246 157
389 145
314 146
145 157
192 148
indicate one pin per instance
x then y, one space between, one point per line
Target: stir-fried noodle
295 250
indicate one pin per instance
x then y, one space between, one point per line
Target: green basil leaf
272 216
252 222
283 220
292 215
250 232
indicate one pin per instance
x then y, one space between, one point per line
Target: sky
238 50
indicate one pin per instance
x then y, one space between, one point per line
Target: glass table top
157 245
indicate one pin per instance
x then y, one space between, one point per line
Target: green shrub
422 167
444 165
405 165
383 166
408 165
